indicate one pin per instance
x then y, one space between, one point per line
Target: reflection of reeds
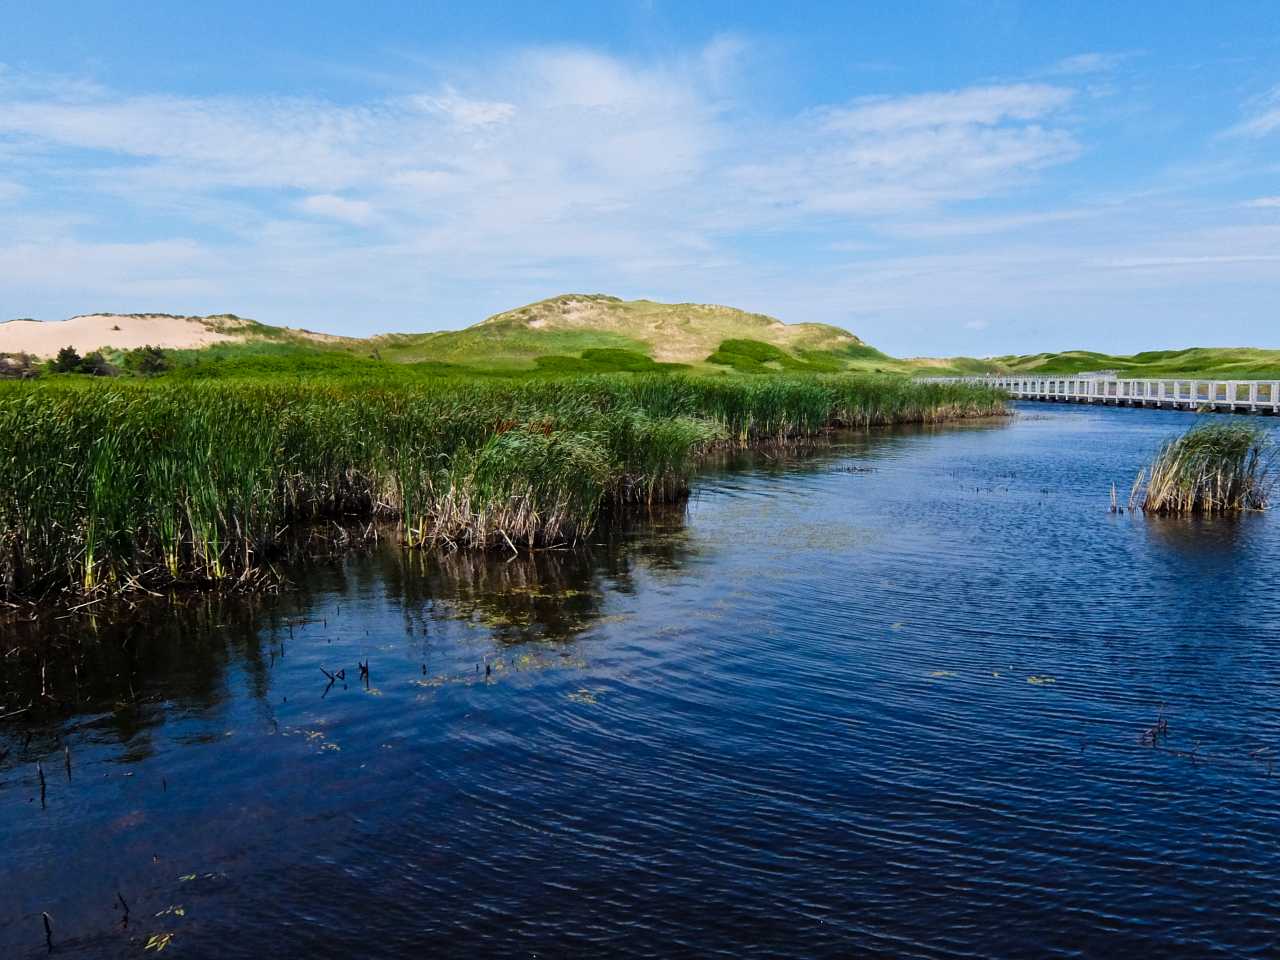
1212 469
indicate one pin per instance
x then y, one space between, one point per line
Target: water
884 699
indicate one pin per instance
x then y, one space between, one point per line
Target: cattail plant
107 487
1217 468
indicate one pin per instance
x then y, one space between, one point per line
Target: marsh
888 696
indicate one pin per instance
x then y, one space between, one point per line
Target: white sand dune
123 332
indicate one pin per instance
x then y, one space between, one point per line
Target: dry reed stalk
1218 468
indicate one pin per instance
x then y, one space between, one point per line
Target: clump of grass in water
1213 469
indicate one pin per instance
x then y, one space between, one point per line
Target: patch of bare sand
100 330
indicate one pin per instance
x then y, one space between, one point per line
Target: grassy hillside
595 333
1239 363
569 324
575 333
581 332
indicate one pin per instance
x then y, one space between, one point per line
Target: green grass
605 360
755 356
500 346
115 485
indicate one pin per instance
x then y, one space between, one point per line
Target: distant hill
1239 363
583 332
125 331
568 324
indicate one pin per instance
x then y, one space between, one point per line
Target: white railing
1260 396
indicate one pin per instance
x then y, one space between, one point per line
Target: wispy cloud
1082 64
1263 118
557 153
886 155
357 212
962 226
1217 259
976 106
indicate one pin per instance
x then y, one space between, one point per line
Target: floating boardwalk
1245 396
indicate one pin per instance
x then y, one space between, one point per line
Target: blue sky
941 178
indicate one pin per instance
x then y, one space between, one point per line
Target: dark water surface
881 700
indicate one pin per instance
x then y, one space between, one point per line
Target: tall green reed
108 487
1211 469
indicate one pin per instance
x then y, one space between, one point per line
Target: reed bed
1217 468
105 488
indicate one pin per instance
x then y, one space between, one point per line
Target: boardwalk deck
1245 396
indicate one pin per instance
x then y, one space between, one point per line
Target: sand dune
123 332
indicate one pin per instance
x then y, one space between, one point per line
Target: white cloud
902 154
1264 202
977 226
552 170
563 135
1129 263
356 212
465 113
1087 63
975 106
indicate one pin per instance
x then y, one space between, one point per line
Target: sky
943 178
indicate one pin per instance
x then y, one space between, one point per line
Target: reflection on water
886 697
1203 537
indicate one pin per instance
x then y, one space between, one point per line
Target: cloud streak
1264 119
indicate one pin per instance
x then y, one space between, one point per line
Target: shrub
96 365
67 361
146 361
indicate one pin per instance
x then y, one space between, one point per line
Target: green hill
594 331
569 324
1239 363
591 333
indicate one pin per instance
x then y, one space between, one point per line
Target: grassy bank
111 486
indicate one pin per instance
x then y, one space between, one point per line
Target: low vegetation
605 360
112 485
1216 468
755 356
